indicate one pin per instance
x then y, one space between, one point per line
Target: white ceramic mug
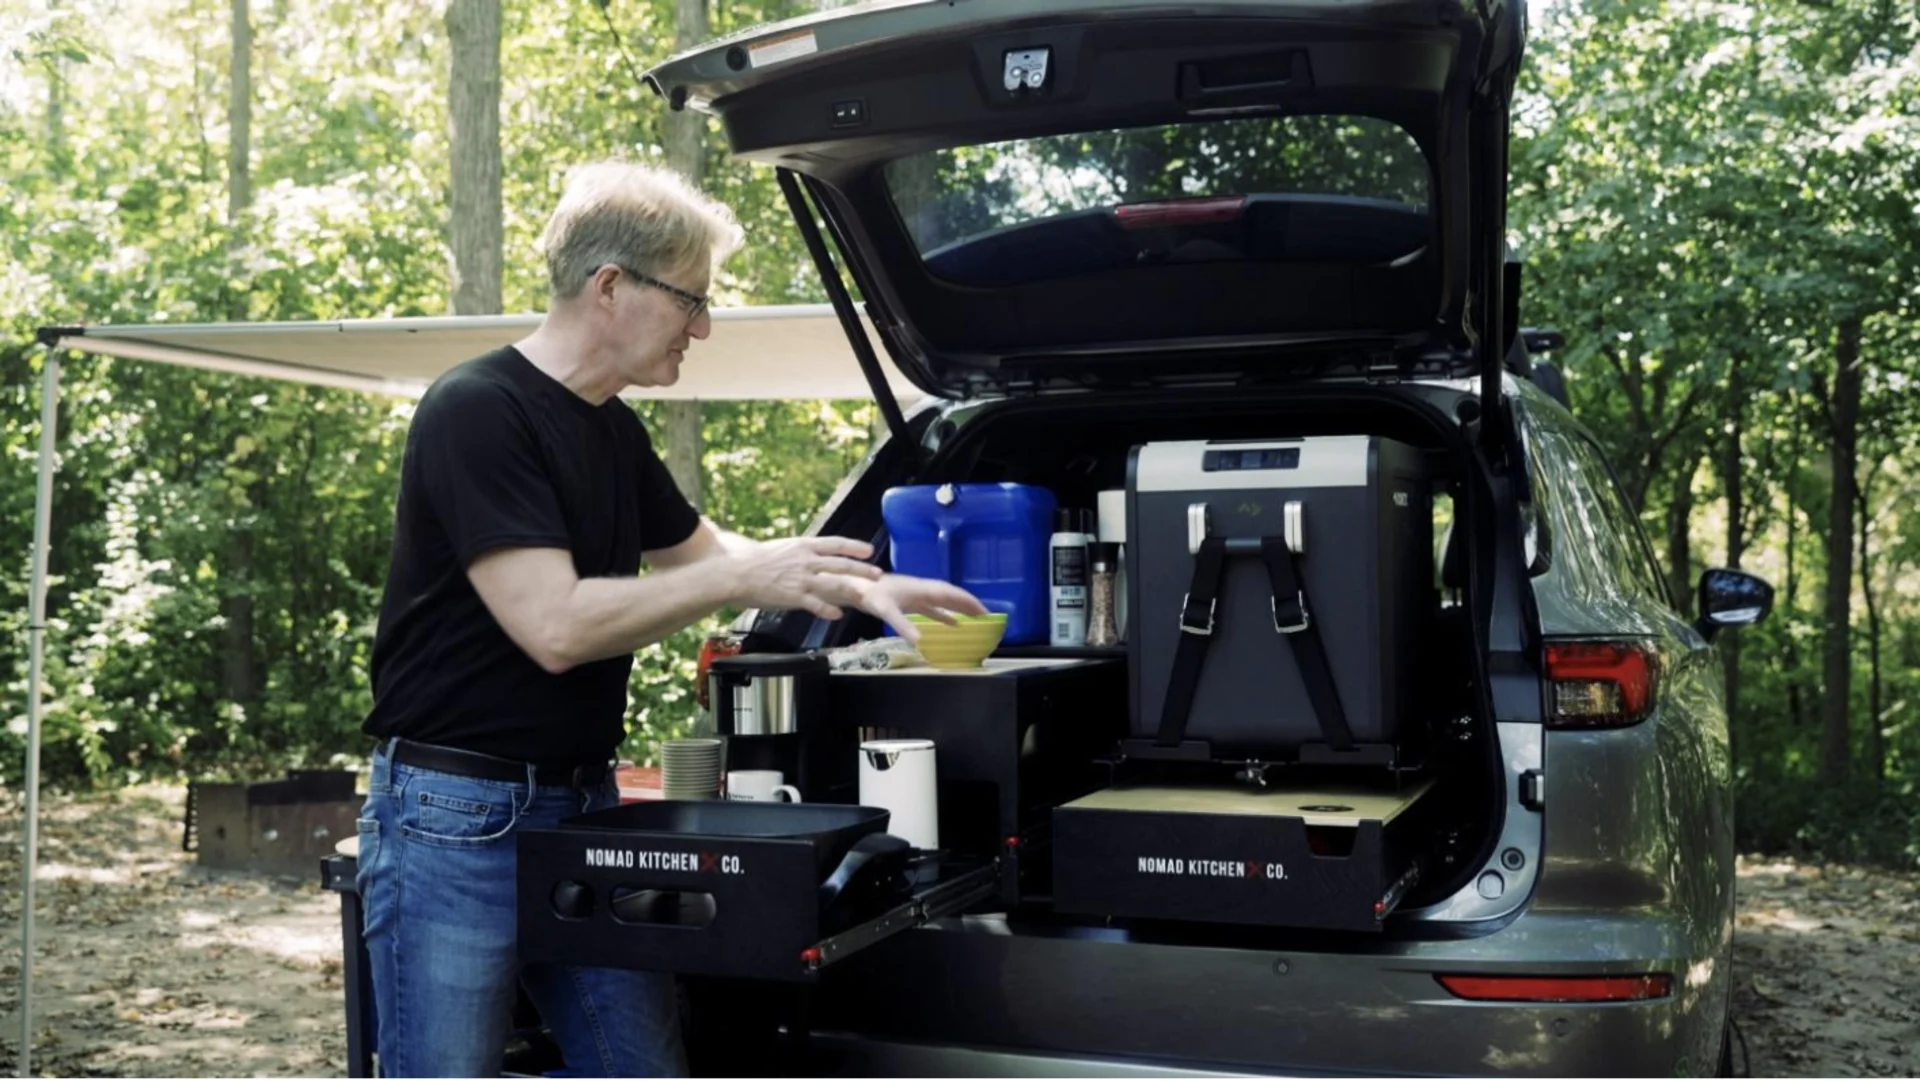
761 786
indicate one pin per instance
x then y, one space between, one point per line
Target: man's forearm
733 543
562 621
608 617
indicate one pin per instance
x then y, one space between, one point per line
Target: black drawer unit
766 891
1014 740
1327 857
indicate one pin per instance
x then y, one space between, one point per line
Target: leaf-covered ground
150 966
1827 970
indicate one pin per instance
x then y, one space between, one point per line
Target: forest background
1718 204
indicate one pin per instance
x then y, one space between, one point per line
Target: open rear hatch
1048 194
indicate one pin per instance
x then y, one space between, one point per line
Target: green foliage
1703 192
181 492
1800 817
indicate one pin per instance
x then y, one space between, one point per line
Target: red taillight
1210 211
1600 684
1559 988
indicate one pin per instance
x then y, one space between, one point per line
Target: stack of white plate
691 768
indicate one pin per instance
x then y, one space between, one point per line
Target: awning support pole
36 649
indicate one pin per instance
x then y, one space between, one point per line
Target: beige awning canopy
770 352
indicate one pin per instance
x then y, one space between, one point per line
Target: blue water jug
989 539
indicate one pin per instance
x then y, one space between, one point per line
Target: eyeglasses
691 303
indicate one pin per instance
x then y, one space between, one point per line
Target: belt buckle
585 776
1188 628
1300 599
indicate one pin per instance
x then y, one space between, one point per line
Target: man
529 497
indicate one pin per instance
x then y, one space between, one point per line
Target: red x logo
1253 868
709 863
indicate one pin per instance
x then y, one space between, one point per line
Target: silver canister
759 694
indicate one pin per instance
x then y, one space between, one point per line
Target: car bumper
935 1001
841 1054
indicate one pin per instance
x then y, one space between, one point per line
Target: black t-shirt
501 455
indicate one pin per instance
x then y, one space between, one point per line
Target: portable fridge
1295 577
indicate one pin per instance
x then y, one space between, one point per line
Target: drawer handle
637 906
870 868
572 900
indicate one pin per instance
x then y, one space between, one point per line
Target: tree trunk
242 664
1876 740
685 448
1796 711
57 109
56 101
687 129
240 120
1732 483
1679 537
241 667
1836 743
476 230
687 153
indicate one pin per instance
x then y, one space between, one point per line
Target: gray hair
639 216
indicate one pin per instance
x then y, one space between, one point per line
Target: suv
1083 225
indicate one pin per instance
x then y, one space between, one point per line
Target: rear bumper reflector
1559 988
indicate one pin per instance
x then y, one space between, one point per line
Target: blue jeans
437 883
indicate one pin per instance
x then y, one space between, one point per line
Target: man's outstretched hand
827 575
892 597
819 574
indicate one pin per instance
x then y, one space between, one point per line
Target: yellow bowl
965 644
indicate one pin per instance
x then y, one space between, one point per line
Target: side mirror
1730 598
1543 340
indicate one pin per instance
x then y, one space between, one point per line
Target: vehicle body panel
1288 1007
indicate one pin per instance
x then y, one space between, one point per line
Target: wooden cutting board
1320 805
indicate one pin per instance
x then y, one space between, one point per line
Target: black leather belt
488 768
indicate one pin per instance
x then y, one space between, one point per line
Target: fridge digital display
1218 461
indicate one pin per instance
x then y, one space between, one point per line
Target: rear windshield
1335 189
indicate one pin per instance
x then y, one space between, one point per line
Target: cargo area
1395 617
1056 785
